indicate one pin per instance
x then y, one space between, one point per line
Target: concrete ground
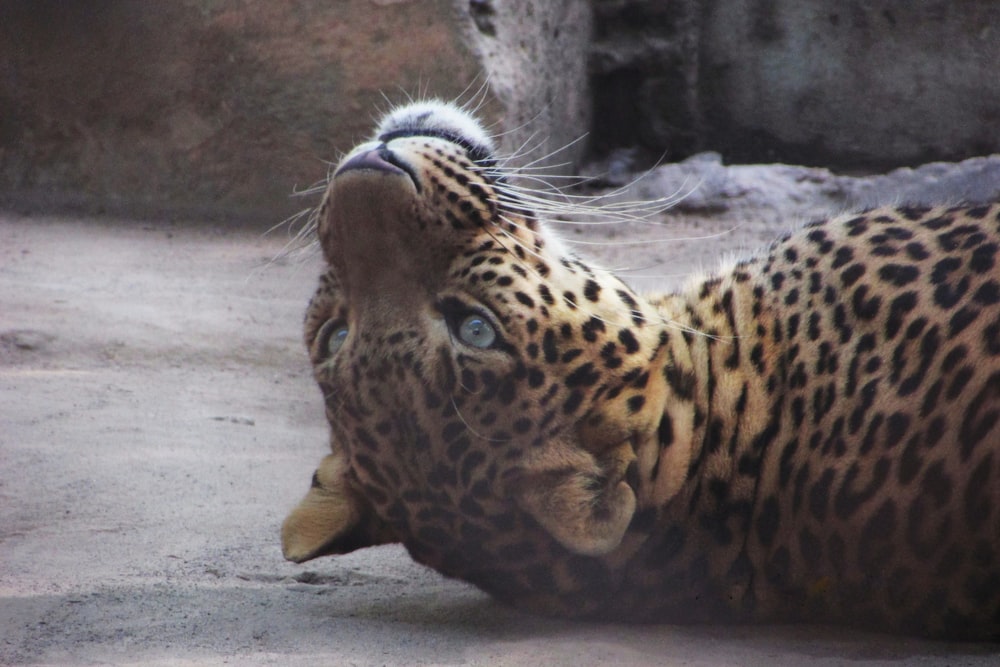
158 419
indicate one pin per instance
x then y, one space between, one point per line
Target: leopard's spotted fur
813 434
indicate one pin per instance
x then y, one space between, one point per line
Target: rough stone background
205 107
222 108
535 54
869 84
702 184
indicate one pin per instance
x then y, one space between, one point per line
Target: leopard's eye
331 338
474 330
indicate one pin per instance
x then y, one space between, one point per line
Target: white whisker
706 237
469 426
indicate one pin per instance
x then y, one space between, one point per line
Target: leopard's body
811 434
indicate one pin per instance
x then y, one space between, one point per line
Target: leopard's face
474 406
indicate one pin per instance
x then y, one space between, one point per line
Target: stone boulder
703 184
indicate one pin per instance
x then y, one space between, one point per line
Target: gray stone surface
535 55
702 183
878 82
225 108
875 84
203 107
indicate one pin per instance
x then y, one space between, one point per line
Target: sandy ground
157 420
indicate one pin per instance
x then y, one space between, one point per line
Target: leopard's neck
722 400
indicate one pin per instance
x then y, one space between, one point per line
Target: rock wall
535 53
863 83
224 107
206 107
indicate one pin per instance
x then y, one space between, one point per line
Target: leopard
809 434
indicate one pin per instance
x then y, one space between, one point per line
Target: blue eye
474 330
335 337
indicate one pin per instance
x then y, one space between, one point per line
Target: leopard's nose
376 159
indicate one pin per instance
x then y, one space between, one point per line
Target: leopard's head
487 391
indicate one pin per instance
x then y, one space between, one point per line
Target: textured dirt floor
157 420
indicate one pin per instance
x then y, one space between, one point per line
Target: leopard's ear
332 519
585 502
